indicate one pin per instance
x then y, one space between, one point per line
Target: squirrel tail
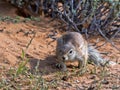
96 58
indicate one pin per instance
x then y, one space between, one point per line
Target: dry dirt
15 36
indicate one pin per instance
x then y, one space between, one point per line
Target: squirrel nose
63 58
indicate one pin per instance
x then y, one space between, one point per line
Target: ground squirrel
72 46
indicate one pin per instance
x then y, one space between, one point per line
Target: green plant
102 75
25 60
22 65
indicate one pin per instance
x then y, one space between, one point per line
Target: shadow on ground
45 67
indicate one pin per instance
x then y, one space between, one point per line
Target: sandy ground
15 36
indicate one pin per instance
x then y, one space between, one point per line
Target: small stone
1 30
105 82
92 87
77 81
93 77
65 78
69 84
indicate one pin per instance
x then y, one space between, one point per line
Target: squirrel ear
59 42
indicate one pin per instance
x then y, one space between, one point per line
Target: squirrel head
66 52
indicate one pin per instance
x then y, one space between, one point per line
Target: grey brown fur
72 46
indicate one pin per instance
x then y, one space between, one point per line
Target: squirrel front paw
61 66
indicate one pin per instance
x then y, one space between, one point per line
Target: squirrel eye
70 51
